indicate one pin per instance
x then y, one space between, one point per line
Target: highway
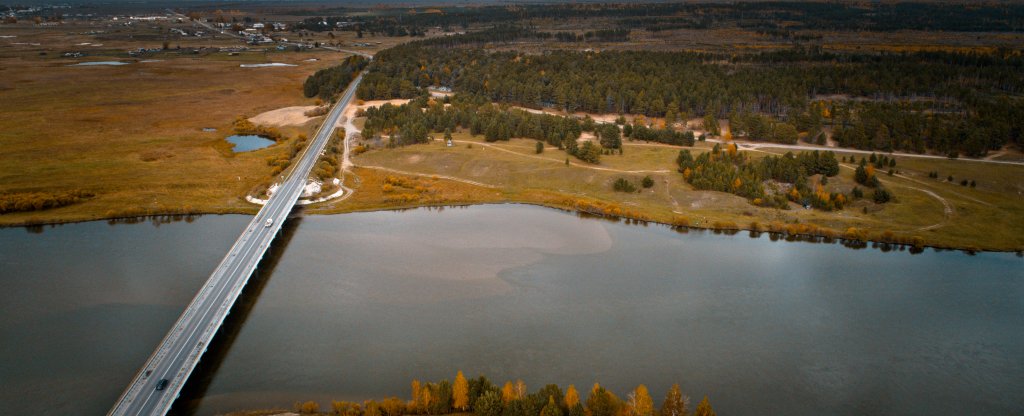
182 347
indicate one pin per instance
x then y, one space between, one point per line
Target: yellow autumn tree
822 195
731 148
416 394
736 184
727 136
572 397
309 407
704 408
460 392
508 392
425 399
640 402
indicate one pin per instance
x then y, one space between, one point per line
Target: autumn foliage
38 201
483 398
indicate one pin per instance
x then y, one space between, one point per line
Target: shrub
882 196
308 407
647 182
38 201
623 185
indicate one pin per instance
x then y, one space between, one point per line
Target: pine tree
601 402
551 409
489 404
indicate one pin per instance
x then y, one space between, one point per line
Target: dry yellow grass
133 134
523 177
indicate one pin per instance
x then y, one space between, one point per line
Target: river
355 306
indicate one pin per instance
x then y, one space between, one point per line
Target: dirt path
758 145
948 210
995 155
350 129
559 161
668 193
754 146
452 178
952 192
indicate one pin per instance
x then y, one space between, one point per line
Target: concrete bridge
158 383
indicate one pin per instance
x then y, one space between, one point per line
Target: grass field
133 134
936 212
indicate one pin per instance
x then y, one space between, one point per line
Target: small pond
248 143
98 63
267 65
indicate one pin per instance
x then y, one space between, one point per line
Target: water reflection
191 397
354 306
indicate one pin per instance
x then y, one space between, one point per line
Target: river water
355 306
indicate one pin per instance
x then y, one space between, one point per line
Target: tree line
481 397
947 102
786 15
729 170
411 123
328 82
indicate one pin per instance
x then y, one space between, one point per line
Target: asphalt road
182 347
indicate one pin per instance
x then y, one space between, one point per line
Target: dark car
162 384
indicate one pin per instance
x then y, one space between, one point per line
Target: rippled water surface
355 306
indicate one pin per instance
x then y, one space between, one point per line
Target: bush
38 201
882 196
647 182
308 407
623 185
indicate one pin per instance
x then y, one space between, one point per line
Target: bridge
158 383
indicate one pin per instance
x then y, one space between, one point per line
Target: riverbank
927 212
695 303
140 139
454 193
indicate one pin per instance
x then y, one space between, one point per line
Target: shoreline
816 238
